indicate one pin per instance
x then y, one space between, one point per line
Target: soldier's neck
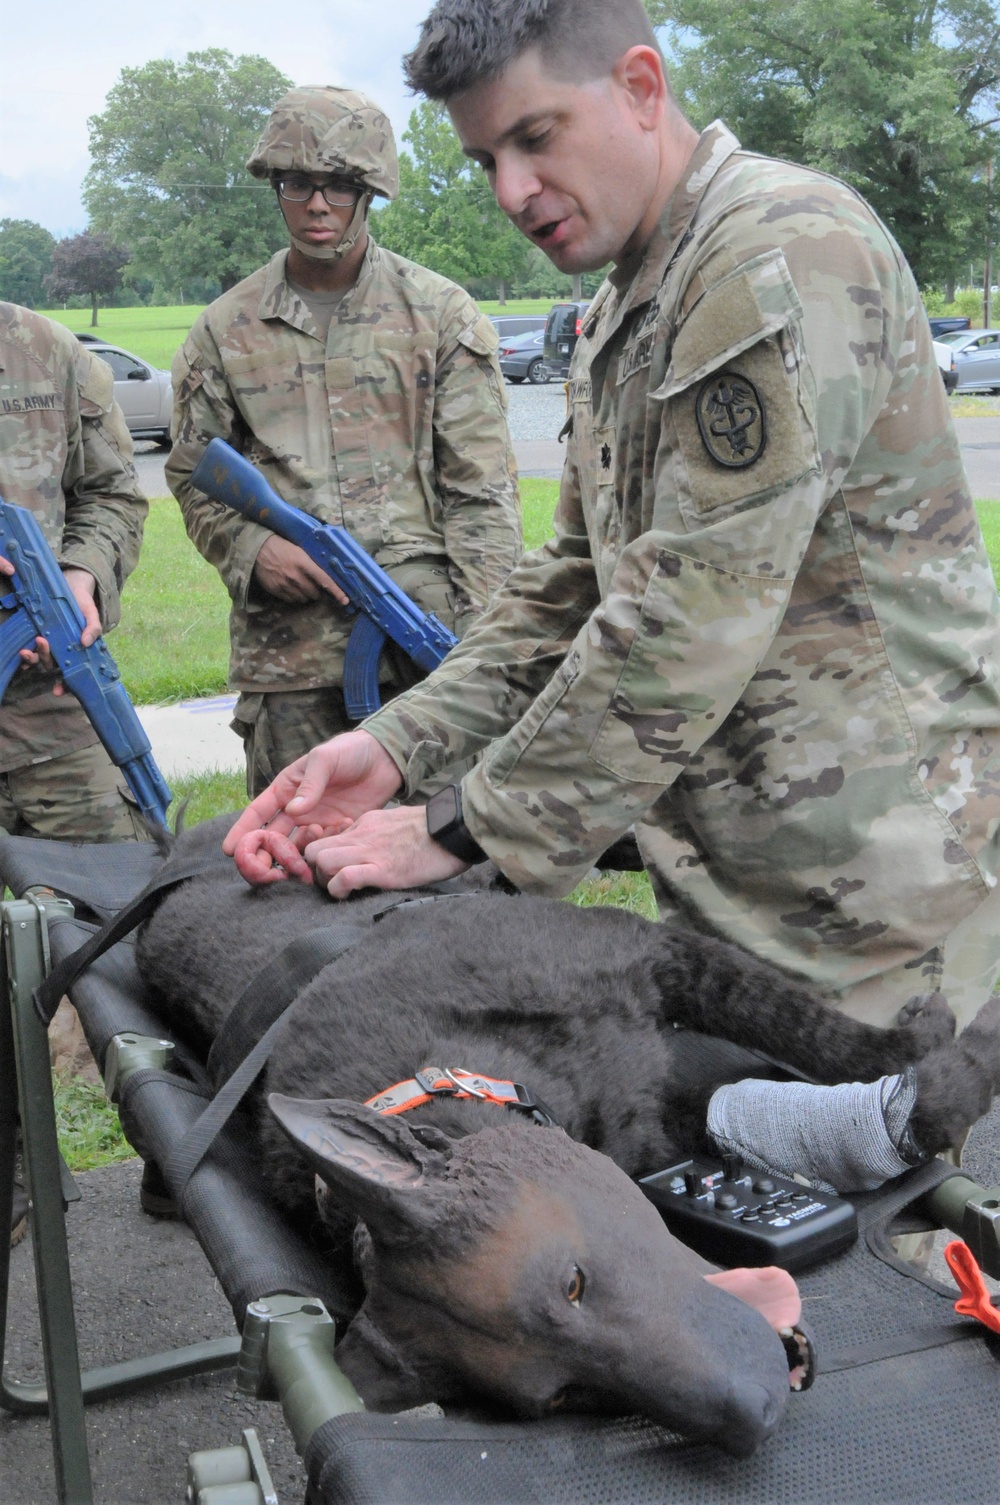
326 276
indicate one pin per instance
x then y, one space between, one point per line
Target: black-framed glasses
297 188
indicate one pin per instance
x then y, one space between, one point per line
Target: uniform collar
638 278
279 301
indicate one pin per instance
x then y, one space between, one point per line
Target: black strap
273 991
935 1335
59 981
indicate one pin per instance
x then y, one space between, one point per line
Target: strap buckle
438 1082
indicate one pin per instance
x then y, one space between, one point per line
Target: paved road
980 441
537 414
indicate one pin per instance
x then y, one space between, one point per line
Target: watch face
444 811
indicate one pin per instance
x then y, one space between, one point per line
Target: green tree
897 97
25 261
168 178
90 264
445 216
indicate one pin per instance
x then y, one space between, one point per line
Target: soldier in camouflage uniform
66 456
766 630
367 390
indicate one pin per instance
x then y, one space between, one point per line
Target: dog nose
753 1413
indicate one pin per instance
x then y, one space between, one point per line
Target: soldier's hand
383 849
286 571
84 587
318 795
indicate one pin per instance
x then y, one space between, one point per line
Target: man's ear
375 1166
639 72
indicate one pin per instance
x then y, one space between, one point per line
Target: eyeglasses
298 189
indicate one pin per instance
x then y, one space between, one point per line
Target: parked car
946 365
142 391
948 324
521 356
977 358
511 324
562 330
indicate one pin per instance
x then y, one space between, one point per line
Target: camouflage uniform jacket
66 456
397 431
766 628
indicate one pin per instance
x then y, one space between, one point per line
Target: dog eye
557 1400
574 1290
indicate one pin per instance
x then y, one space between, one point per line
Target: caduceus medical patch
730 417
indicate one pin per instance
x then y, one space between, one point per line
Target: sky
61 59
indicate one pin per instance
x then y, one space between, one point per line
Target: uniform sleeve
204 410
744 467
475 470
745 459
504 661
105 510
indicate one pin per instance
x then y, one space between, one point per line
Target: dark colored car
947 324
521 357
507 325
562 330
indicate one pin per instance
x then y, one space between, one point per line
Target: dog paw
926 1022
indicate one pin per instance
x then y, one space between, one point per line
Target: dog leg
718 989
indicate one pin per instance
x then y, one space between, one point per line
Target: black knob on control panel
763 1184
693 1184
732 1167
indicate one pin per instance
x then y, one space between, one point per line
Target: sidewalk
192 737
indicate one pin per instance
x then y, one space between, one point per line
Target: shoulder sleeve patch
738 395
96 384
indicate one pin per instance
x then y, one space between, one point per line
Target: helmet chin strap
349 238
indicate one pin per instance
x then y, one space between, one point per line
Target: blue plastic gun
384 611
42 605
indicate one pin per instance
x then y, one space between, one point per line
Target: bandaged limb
847 1138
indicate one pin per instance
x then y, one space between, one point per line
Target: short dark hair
464 42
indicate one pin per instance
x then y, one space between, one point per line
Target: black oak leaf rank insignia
605 456
731 421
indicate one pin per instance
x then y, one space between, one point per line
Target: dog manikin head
519 1266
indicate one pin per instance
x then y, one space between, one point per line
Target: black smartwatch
446 826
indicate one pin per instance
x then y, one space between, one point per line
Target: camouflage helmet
326 129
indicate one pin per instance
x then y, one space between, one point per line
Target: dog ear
375 1166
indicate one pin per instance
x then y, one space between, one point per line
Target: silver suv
142 391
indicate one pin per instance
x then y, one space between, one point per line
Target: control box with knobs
737 1216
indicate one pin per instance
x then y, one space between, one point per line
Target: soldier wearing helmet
367 390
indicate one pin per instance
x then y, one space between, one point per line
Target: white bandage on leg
847 1138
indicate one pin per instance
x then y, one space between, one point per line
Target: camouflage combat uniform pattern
66 456
396 429
766 629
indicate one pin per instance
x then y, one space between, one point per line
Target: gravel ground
535 415
535 412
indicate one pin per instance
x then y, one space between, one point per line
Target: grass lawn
155 334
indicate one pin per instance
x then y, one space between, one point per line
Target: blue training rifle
383 609
42 605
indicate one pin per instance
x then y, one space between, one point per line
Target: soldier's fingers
6 568
331 587
262 854
364 875
266 810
